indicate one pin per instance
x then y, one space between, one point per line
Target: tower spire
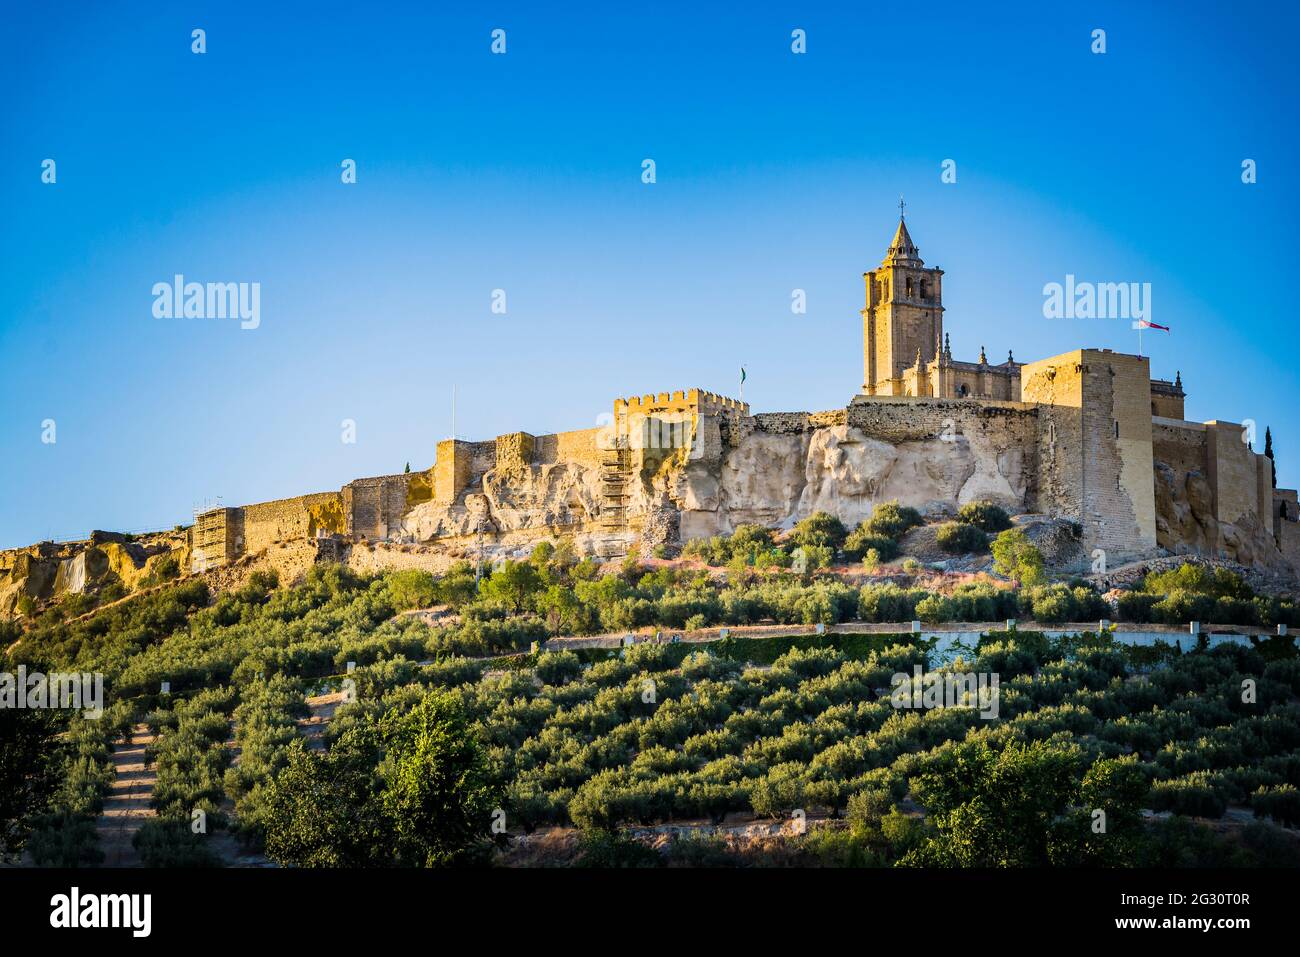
902 250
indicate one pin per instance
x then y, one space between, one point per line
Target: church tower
903 315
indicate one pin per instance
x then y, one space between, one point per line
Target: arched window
909 287
925 289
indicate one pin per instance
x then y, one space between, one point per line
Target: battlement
689 400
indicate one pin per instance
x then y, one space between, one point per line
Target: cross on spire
901 205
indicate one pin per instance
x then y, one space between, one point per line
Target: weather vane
901 204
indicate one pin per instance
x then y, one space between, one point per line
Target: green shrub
862 540
1016 557
412 588
1192 795
1198 580
985 516
1137 607
65 840
888 603
809 558
171 843
961 538
892 520
606 849
1280 802
819 529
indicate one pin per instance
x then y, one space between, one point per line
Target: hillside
791 748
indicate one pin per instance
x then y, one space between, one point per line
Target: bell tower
903 315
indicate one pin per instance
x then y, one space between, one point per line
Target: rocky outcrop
777 478
539 497
48 571
1186 523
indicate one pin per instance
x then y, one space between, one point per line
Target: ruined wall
371 508
1057 389
1185 520
1125 506
578 447
508 485
1288 540
453 468
215 537
286 519
1096 451
514 451
1214 496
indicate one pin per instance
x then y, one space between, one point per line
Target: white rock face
560 494
778 479
540 497
999 477
762 480
767 478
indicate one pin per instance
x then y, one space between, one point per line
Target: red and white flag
1147 324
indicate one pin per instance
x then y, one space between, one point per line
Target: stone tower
903 316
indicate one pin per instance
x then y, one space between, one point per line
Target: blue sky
522 172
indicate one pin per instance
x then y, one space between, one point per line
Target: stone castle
1087 437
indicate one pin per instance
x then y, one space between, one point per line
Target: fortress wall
1095 462
780 423
514 451
1129 388
283 520
1178 444
1288 540
1283 498
904 419
453 469
1264 493
216 536
688 400
579 446
373 506
483 456
1060 455
1232 473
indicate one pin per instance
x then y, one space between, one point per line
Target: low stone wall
950 634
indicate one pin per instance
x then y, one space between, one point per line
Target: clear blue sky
522 172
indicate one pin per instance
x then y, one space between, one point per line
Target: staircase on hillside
615 477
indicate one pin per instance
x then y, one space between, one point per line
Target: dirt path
322 710
126 807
